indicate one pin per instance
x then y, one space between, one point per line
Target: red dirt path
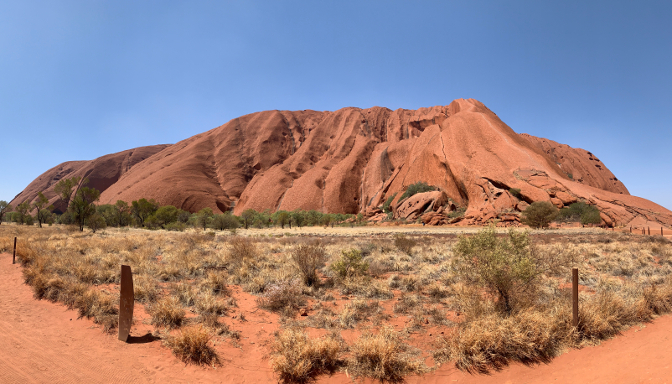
42 342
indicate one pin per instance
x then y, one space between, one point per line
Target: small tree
142 209
248 216
281 218
96 222
225 221
123 211
82 206
504 267
166 215
204 217
539 214
4 208
297 217
65 187
39 205
21 215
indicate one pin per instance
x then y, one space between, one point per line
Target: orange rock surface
352 160
101 172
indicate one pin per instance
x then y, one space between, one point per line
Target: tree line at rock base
83 210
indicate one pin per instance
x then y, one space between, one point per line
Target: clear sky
81 79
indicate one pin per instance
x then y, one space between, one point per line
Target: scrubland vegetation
379 307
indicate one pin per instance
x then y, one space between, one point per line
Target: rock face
101 172
352 160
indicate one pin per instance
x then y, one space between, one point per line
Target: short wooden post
649 228
630 229
126 303
14 254
575 297
643 231
661 231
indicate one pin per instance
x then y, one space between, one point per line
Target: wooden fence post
14 254
575 297
126 303
630 229
649 228
661 231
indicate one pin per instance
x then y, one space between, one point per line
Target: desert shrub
175 226
296 358
225 221
492 342
350 264
366 287
192 345
285 298
242 249
383 357
167 312
308 258
505 267
207 303
515 192
404 244
215 282
185 293
580 212
99 306
606 314
539 214
358 310
406 303
418 187
388 202
459 212
145 289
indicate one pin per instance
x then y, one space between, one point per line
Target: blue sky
81 79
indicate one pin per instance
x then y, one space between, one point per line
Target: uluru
353 160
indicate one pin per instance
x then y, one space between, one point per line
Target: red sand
42 342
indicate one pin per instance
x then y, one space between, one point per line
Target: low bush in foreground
192 345
383 357
167 312
296 358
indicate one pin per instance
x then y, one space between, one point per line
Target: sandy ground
42 342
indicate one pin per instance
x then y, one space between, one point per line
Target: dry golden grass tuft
192 345
493 341
296 358
384 357
167 312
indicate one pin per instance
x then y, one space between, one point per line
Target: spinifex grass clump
296 358
192 345
384 357
308 258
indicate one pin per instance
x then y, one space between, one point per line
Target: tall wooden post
14 254
126 302
575 297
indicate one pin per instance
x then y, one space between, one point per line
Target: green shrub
516 193
504 267
418 187
388 202
404 244
580 212
350 264
539 214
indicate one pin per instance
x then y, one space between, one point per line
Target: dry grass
627 280
296 358
384 357
192 345
492 342
167 312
